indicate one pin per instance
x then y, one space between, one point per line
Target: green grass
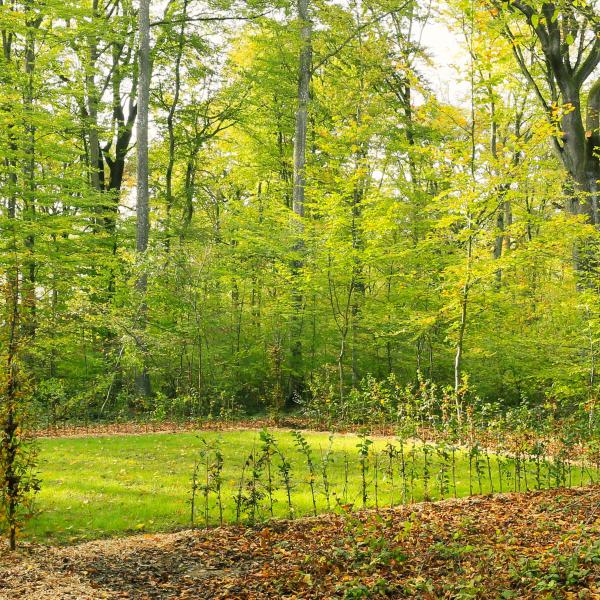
101 486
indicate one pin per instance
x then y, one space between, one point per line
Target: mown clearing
97 486
102 486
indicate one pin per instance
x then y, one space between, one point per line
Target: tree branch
354 34
207 19
589 64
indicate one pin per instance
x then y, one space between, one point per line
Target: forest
300 298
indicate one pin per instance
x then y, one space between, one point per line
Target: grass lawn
100 486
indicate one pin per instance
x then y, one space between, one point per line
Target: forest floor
542 544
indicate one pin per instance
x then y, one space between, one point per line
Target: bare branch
589 64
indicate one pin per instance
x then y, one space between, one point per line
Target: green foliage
560 571
398 235
430 284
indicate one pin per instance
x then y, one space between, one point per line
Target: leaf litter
542 544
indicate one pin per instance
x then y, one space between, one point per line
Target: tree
143 204
299 189
568 35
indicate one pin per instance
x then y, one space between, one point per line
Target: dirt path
113 429
507 546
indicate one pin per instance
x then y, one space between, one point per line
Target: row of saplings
403 471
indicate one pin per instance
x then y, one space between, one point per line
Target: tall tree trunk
171 128
304 77
92 107
593 147
29 283
357 247
9 483
10 422
298 193
358 194
122 62
466 287
143 208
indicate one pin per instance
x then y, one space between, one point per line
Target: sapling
391 452
268 449
518 466
525 478
558 468
509 471
426 471
548 467
569 442
201 464
477 463
346 470
326 459
471 471
479 468
206 485
252 499
443 476
217 476
376 480
306 450
193 491
363 453
402 460
413 471
595 459
453 459
285 468
500 463
538 451
240 492
489 469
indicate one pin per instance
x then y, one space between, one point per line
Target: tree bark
143 207
593 147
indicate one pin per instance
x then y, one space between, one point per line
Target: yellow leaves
561 110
